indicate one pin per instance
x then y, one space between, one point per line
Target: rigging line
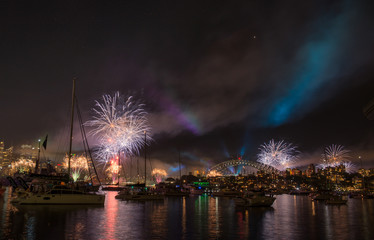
85 137
122 164
64 136
150 162
85 151
84 144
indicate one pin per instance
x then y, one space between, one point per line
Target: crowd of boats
39 191
243 199
253 198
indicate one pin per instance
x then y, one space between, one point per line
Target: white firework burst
277 154
119 123
334 155
349 166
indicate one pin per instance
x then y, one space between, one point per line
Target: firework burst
349 166
76 162
158 174
75 174
334 155
214 173
113 171
119 123
78 165
22 165
277 154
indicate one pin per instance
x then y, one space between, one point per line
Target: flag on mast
45 142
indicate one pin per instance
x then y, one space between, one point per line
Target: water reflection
198 217
158 219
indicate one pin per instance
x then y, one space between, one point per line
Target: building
311 170
28 152
1 153
295 172
6 159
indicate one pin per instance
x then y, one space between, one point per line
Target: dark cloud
214 76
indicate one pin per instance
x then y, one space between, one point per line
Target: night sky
218 79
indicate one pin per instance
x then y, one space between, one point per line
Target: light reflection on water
198 217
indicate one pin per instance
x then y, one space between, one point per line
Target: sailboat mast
37 160
145 158
71 125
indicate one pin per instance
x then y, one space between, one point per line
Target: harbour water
194 217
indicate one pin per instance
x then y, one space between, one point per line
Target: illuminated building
1 153
311 170
28 152
364 172
295 172
170 181
7 157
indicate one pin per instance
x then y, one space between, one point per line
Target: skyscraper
7 157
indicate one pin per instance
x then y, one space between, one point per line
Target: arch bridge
224 166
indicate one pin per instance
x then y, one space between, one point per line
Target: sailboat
180 191
64 194
139 192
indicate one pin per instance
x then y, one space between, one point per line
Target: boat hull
224 193
176 194
63 199
263 201
136 197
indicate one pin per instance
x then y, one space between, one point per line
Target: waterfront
198 217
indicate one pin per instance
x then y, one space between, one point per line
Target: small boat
196 191
226 193
361 195
130 195
256 200
321 196
112 188
143 196
337 200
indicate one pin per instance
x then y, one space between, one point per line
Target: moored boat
134 195
321 196
196 191
143 196
256 200
64 194
226 193
337 200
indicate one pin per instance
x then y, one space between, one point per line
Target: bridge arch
223 166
